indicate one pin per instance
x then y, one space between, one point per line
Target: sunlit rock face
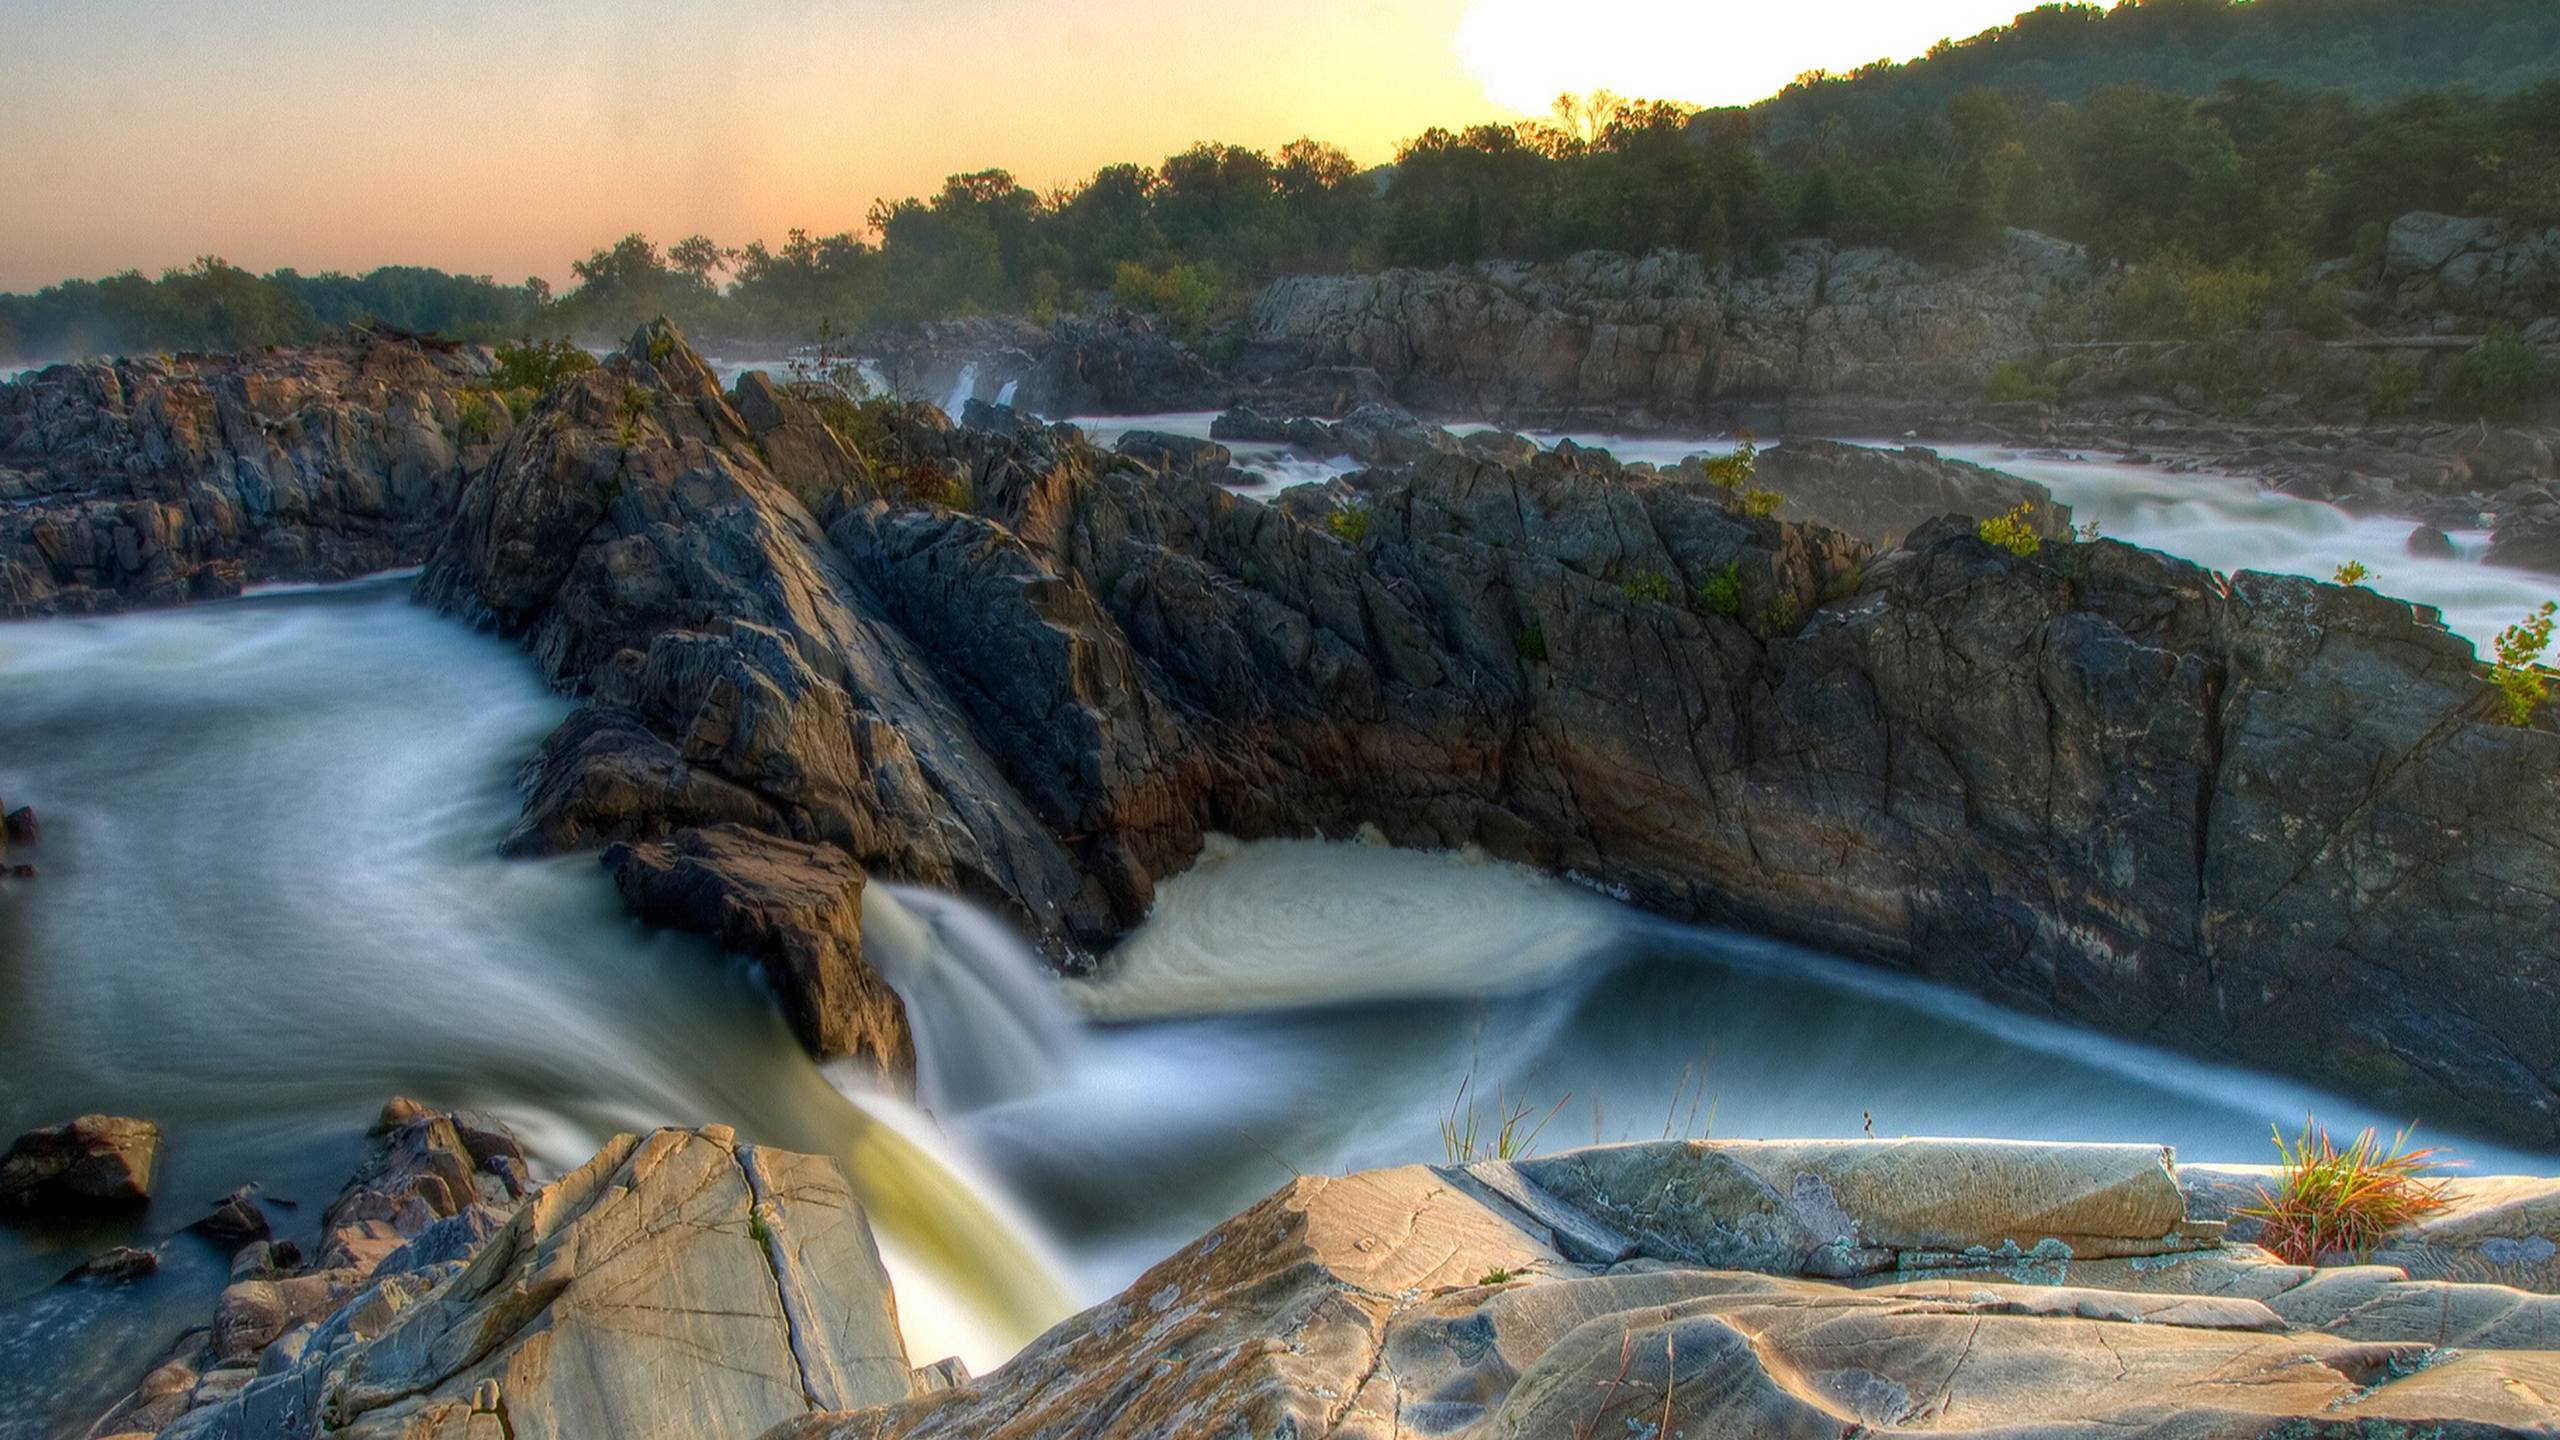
1573 1296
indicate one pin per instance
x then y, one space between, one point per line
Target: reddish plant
2330 1201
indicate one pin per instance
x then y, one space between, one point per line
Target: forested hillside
2224 144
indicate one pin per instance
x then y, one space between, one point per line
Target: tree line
2251 176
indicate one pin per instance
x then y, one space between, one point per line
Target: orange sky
506 138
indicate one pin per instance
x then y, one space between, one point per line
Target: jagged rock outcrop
436 1187
681 1285
1455 1302
93 1162
2259 816
1109 363
1660 340
2467 270
1881 495
157 480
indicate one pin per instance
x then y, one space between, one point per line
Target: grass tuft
1464 1132
2330 1201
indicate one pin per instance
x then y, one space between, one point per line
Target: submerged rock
93 1162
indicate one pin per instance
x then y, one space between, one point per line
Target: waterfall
1004 396
989 1022
963 390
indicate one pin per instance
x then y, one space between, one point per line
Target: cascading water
270 898
989 1023
1004 396
963 390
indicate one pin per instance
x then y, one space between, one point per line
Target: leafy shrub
1185 295
2329 1201
1531 642
1734 471
1651 585
1843 583
1781 616
1721 593
2014 532
1351 522
537 365
2497 379
2352 573
2010 382
2518 674
1760 504
476 416
2391 386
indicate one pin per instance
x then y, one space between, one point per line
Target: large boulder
680 1285
93 1162
1880 495
796 910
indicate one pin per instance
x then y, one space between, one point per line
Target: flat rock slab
1408 1303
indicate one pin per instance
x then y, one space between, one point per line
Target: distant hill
2373 49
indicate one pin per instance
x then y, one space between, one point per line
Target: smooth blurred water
270 899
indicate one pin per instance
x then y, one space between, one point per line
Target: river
270 898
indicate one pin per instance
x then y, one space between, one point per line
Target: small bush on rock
1351 523
2352 573
2519 675
537 365
2014 532
1721 593
2329 1201
1734 471
2498 379
2010 383
1652 585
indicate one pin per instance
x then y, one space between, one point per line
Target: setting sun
1708 52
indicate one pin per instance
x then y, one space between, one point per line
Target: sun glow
1708 52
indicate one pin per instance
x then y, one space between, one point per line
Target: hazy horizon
506 140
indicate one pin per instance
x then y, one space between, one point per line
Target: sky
507 137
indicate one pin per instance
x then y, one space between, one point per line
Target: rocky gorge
2074 780
815 651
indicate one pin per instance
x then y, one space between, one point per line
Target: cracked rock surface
680 1285
1422 1302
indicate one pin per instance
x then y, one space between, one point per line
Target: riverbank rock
158 480
95 1161
794 909
1880 495
1660 340
1453 1302
2067 780
677 1286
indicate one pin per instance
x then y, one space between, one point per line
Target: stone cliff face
155 481
2260 817
1661 341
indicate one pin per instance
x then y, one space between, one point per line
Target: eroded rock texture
2256 816
681 1286
1427 1302
158 480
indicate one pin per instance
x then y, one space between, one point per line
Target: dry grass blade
2331 1201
